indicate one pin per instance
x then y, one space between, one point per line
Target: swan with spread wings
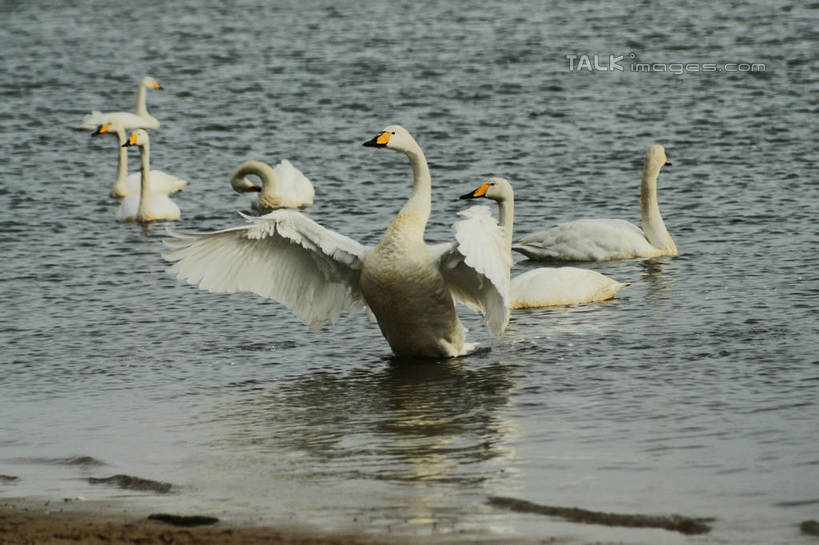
409 286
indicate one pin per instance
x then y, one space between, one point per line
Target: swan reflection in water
430 426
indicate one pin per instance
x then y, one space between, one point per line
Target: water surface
694 392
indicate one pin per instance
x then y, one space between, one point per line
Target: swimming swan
126 184
407 284
545 286
145 206
604 239
139 120
282 187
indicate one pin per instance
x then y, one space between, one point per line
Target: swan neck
506 218
407 228
652 221
141 108
420 202
145 179
121 182
270 184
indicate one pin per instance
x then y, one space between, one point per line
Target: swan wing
585 240
283 255
295 187
476 267
549 286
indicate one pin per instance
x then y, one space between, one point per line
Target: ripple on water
692 391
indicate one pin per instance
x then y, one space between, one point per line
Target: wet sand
25 522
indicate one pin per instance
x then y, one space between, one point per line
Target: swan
604 239
545 286
139 120
282 187
126 184
407 285
145 206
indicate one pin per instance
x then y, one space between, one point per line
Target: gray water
694 392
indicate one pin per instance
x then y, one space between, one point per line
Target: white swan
407 285
604 239
139 120
282 187
129 184
145 206
545 286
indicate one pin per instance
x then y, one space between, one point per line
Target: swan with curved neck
545 286
605 239
141 119
406 284
281 187
145 206
126 184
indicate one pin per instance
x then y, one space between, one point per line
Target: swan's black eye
393 132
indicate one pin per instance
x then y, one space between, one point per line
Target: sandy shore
27 523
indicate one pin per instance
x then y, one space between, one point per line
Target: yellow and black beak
157 86
101 129
132 141
480 192
667 163
381 140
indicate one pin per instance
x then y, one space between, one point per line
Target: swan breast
411 302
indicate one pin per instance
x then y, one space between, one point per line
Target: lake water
694 392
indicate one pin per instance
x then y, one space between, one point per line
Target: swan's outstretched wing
476 267
585 240
283 255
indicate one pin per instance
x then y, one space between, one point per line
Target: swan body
129 184
407 285
145 206
282 187
141 119
605 239
545 286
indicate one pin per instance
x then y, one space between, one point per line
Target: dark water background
695 392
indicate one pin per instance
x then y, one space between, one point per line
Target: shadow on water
424 422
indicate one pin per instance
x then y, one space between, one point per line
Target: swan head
656 158
109 127
150 83
138 138
495 188
393 137
239 179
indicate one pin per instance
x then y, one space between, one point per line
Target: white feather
406 284
140 119
283 255
281 187
603 239
548 286
476 268
586 240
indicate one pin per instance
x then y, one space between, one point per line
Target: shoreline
96 522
